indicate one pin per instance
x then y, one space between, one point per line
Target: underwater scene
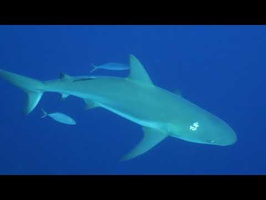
132 99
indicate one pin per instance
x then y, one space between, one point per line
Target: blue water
220 68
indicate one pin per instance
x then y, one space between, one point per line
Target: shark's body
136 98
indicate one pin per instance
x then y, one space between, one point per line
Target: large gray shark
159 112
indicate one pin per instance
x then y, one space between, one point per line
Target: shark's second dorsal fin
138 72
64 76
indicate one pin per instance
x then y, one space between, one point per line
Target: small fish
59 117
110 66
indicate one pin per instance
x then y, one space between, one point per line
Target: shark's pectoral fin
150 139
90 104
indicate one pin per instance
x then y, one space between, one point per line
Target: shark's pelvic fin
32 87
177 92
90 104
138 72
150 139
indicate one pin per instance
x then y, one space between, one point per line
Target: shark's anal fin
33 100
138 72
90 104
150 139
64 96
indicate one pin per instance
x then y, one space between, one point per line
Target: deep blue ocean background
220 68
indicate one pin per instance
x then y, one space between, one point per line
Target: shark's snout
225 138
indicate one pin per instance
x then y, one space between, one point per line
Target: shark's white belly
142 122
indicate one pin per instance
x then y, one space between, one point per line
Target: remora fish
159 112
110 66
59 117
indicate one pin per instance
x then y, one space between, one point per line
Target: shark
159 112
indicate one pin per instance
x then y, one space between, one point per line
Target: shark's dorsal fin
138 72
150 139
64 76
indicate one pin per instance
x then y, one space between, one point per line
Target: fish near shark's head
210 130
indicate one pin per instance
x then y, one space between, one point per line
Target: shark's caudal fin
32 87
150 139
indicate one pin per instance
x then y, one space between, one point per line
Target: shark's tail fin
94 68
44 113
32 87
